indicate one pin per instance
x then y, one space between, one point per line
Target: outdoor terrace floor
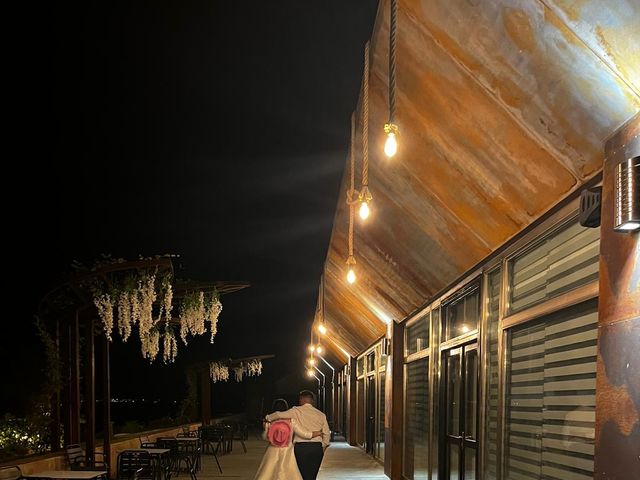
341 462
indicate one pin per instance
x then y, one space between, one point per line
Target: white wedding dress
279 463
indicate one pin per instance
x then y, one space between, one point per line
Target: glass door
371 415
461 411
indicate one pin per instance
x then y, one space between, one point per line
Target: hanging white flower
170 350
239 372
124 315
213 312
218 372
104 304
147 294
150 345
136 311
254 368
167 302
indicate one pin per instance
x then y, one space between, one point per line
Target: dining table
69 474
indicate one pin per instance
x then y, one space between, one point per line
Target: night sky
213 130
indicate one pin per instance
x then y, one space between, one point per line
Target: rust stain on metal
517 25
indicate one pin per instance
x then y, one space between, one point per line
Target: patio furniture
77 459
161 461
239 432
10 473
212 439
135 465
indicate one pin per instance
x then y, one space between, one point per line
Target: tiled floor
341 462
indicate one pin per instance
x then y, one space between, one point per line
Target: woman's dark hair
279 405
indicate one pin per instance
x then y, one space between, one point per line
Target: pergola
69 310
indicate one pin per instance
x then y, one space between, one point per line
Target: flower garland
254 368
134 304
239 372
218 372
104 304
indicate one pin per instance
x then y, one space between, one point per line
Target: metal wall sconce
627 196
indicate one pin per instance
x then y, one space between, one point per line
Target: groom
309 453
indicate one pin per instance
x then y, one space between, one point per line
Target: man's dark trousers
309 457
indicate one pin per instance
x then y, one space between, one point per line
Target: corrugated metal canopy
503 110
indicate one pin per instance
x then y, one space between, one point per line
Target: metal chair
212 439
10 473
77 459
135 465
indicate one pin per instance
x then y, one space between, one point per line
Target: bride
279 461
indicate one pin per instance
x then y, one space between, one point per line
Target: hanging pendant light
391 129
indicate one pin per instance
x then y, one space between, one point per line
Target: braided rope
365 118
392 60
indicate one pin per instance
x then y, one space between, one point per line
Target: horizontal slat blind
561 262
417 336
552 397
416 428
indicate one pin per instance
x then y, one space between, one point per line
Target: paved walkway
341 462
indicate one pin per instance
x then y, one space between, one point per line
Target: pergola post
106 389
617 442
352 416
90 391
74 380
55 403
205 397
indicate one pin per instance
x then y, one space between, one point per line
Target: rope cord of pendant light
365 118
393 20
352 184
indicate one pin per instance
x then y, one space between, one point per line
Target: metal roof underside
503 108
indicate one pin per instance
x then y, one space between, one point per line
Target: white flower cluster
238 372
150 344
254 368
170 350
104 304
218 372
135 307
213 312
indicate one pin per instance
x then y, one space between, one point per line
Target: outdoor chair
239 433
10 473
77 459
211 438
135 465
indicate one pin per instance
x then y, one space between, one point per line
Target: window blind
561 262
491 430
551 397
416 427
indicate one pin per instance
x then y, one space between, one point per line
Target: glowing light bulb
310 372
322 329
312 348
351 276
319 349
464 328
391 145
364 210
311 361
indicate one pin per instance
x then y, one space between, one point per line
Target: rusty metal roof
503 110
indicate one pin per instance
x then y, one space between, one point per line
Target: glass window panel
560 262
436 327
360 366
491 407
371 361
470 464
417 335
361 413
551 396
471 394
462 315
416 427
453 393
454 461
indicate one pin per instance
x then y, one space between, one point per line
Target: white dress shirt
309 418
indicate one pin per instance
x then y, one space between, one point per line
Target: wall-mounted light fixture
627 196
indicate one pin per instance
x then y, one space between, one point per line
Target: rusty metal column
617 448
205 397
106 398
352 403
90 391
74 380
394 404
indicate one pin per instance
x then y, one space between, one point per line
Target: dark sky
214 130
